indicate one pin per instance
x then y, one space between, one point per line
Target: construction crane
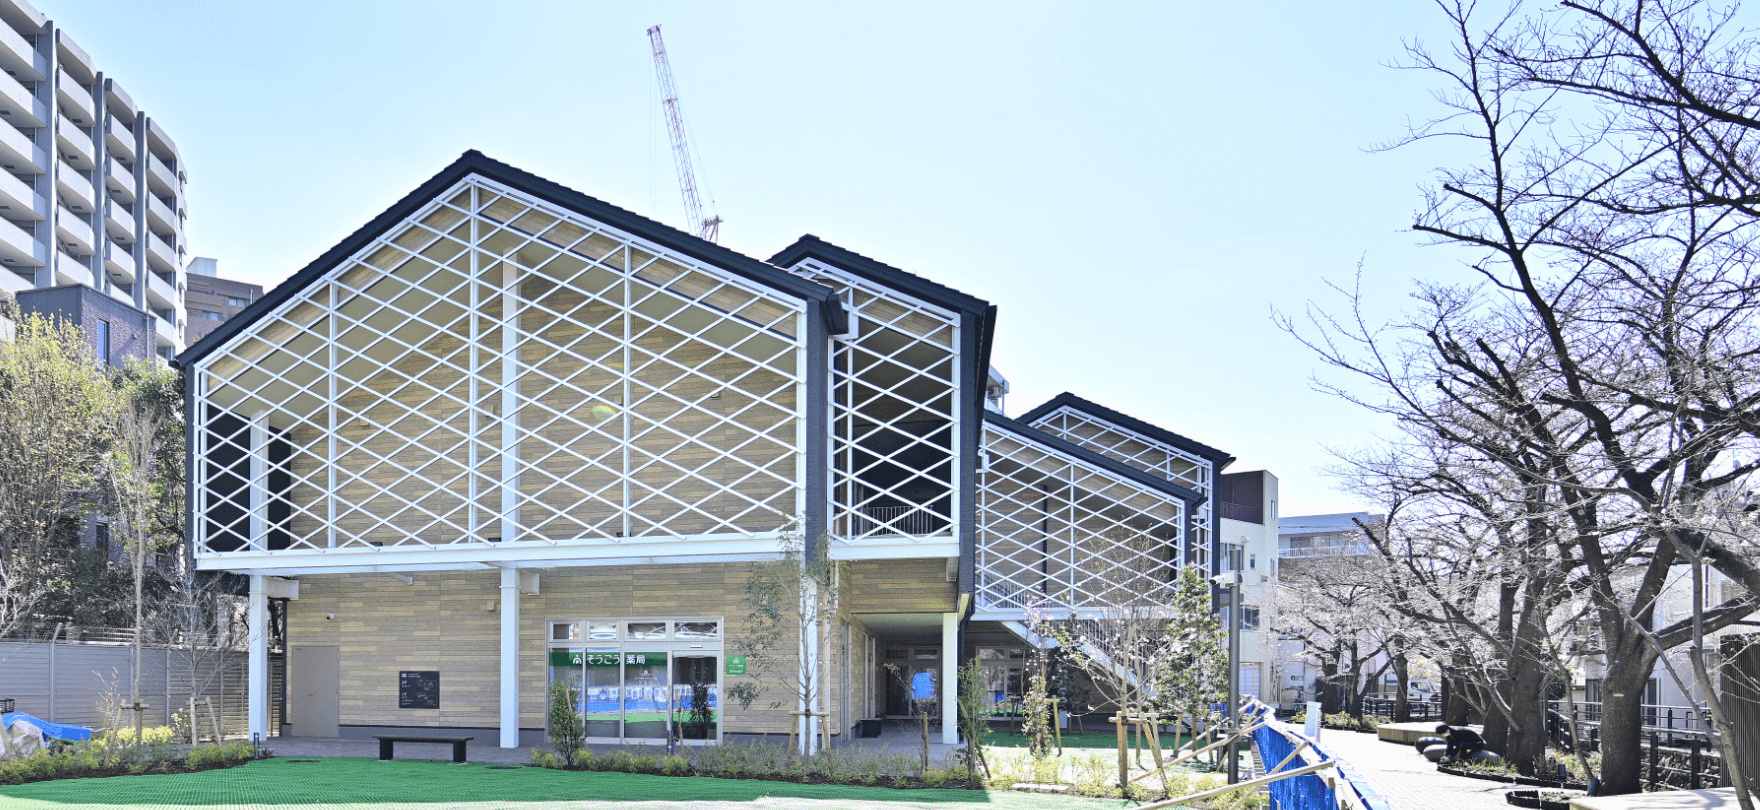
707 227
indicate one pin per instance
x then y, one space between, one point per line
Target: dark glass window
101 341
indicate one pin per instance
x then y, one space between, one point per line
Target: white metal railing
894 520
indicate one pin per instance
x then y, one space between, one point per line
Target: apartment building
1248 503
507 434
212 300
92 192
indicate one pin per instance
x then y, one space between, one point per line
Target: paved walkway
1407 780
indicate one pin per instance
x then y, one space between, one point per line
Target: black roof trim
1218 457
1027 431
810 246
474 162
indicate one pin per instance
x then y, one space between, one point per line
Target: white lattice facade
499 375
500 379
1151 455
894 408
1060 534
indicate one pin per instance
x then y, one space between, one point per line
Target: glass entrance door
696 695
646 703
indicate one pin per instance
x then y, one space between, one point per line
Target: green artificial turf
1009 739
368 784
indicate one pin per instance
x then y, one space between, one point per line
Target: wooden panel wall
444 622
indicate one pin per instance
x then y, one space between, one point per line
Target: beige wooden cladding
442 622
899 586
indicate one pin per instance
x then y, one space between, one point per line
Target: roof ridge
807 243
1125 420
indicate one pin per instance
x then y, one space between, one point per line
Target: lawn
338 783
1108 740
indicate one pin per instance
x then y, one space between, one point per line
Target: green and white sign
736 665
580 658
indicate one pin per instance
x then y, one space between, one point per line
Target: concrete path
1407 780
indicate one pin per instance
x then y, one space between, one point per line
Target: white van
1417 691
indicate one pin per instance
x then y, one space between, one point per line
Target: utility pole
705 226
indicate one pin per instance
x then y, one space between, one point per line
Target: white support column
950 678
810 645
257 680
259 483
510 658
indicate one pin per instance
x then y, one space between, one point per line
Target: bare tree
793 604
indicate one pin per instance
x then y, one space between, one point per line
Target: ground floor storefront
654 651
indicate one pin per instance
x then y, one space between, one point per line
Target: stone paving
1407 780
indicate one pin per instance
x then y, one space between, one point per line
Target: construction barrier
1337 788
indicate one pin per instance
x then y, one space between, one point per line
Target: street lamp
1230 582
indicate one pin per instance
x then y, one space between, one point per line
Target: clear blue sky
1137 186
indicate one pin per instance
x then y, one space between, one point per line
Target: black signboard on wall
418 690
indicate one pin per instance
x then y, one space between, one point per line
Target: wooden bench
387 740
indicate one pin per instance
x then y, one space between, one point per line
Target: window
212 316
101 534
238 302
1249 618
101 348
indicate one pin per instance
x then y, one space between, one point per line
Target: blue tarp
55 731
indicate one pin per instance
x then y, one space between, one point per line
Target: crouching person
1462 742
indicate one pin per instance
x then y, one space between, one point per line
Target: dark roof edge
810 246
1218 457
474 162
1110 465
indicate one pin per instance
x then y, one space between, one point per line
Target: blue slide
55 731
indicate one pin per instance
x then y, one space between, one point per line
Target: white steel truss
499 370
1148 454
1068 534
894 413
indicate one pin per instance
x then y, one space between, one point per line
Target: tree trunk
1622 721
1331 696
1526 744
1402 674
1454 701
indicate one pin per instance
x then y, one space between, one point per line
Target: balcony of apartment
19 58
18 248
71 269
170 335
1314 549
160 178
119 220
161 143
161 257
121 105
119 260
19 106
72 233
76 146
18 201
74 190
118 138
19 153
76 99
74 59
121 292
161 294
163 219
120 180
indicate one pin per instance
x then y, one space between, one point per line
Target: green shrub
545 759
221 755
937 777
675 766
567 733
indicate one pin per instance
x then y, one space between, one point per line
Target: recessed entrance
642 681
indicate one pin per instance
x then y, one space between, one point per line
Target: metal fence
83 675
1678 752
1419 709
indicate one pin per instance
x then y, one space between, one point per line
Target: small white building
1248 506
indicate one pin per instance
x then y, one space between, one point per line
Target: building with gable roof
506 434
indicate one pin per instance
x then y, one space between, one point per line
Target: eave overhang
1086 456
1066 399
